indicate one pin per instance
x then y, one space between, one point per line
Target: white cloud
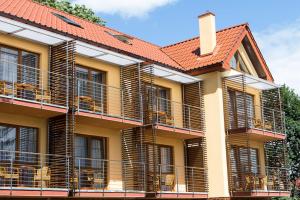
125 8
280 45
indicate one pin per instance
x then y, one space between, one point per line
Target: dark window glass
90 151
20 139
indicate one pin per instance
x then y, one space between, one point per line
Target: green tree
291 107
78 10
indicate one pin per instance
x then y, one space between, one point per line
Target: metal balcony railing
32 84
257 117
98 175
260 179
33 171
105 100
177 115
181 179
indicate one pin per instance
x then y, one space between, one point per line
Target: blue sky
275 24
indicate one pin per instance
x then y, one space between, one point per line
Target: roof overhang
29 32
252 81
173 75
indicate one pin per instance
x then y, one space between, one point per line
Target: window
90 82
21 139
237 109
164 158
244 160
67 20
18 65
91 151
160 97
238 63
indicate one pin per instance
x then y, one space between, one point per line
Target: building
89 112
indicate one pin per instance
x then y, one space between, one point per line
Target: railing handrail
33 153
100 84
177 102
34 68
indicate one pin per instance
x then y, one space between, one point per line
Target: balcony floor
30 108
262 193
33 192
259 134
107 121
178 132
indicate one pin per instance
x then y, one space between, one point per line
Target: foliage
78 10
291 103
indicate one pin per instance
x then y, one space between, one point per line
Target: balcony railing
98 175
105 100
261 179
25 83
257 117
177 115
33 171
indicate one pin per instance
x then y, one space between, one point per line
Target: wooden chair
257 123
268 183
42 176
7 174
170 181
248 183
4 89
98 180
169 120
96 107
43 96
75 180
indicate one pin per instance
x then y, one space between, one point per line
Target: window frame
235 107
17 147
89 149
20 60
237 157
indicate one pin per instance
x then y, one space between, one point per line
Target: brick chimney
207 30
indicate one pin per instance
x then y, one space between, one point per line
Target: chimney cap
206 13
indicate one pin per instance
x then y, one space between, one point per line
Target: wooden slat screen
196 164
130 84
60 143
133 160
193 109
62 73
147 80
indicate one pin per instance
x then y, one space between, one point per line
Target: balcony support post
11 172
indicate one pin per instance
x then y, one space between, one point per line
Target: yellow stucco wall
215 135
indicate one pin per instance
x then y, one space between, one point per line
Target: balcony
253 105
98 100
107 178
32 88
261 181
171 116
33 174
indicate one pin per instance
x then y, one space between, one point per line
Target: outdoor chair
42 176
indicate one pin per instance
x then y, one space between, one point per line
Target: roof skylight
123 38
67 20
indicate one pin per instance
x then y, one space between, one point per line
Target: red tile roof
182 56
186 53
42 15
